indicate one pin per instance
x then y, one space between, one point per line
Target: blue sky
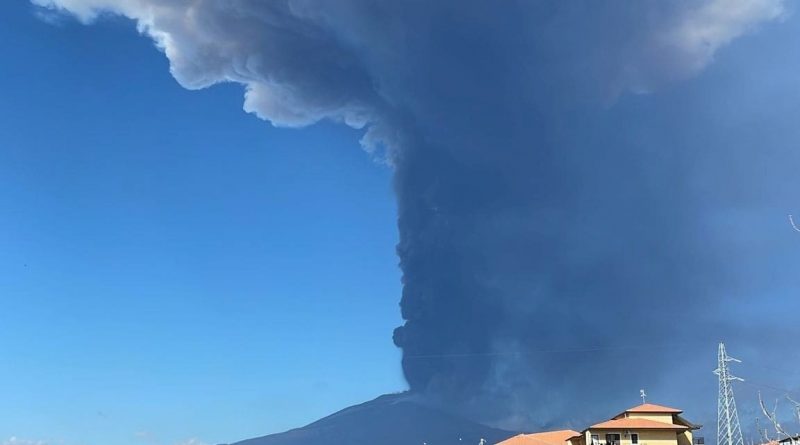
171 265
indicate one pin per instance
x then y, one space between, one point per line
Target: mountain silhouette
392 419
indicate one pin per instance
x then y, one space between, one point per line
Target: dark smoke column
531 224
551 200
449 315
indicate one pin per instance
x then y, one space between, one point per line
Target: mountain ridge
390 419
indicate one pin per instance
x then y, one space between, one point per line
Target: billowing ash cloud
559 215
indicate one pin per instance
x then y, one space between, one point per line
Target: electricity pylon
729 432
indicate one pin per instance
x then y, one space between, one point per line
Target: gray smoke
562 178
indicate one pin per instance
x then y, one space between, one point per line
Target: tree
793 439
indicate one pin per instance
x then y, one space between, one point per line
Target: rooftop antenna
643 395
729 432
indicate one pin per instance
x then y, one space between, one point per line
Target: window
595 439
634 438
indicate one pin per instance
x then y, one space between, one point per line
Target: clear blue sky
171 267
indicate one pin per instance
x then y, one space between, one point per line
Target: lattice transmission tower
729 432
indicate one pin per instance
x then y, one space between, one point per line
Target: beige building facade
646 424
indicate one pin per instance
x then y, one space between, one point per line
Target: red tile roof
635 423
652 408
546 438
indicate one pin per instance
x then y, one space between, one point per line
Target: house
560 437
792 440
646 424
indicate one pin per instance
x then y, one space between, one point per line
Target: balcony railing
616 442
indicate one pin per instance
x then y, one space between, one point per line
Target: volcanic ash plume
550 199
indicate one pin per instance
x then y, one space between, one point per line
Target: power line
772 387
